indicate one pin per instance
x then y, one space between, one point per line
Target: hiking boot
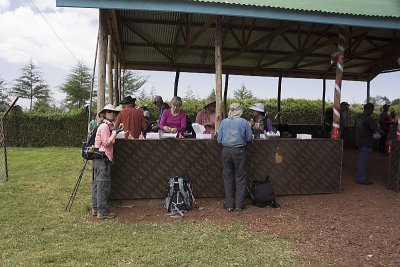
94 212
238 210
107 215
229 209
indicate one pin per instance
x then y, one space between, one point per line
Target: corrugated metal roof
252 46
379 8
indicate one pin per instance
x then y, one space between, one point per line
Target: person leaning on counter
173 120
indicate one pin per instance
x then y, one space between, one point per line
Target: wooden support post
339 58
176 83
119 80
110 70
279 99
116 76
218 73
323 99
368 91
102 60
225 111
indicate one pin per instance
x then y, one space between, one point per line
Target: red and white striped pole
338 58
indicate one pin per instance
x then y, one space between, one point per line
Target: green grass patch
36 231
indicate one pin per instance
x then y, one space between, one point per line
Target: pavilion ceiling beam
176 39
388 58
149 41
263 55
302 45
188 24
226 31
234 36
253 22
289 43
278 31
236 70
232 50
112 15
305 52
210 20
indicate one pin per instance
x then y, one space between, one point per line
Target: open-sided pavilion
341 39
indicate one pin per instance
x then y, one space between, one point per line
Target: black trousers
234 174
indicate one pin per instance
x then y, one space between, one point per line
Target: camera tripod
78 182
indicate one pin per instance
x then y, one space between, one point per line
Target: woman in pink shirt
173 120
101 184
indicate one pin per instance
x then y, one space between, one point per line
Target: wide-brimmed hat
345 104
119 108
128 100
257 107
108 107
209 101
386 105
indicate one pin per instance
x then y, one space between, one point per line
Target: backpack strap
183 192
171 181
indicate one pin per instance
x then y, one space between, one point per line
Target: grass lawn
36 231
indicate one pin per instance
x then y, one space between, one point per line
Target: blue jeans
365 153
234 173
101 185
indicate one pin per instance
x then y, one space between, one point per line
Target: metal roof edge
237 10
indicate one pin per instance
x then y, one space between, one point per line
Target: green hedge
28 129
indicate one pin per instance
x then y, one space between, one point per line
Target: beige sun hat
108 107
119 108
209 101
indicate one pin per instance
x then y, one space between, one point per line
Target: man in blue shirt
234 133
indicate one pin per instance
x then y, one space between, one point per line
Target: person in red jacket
132 119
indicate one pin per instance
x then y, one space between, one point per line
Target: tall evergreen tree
131 82
4 99
77 86
30 84
243 93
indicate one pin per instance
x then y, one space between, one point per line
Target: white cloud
27 35
4 4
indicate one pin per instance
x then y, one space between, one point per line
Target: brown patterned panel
394 167
141 167
321 163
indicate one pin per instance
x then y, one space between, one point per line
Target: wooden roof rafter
148 40
210 20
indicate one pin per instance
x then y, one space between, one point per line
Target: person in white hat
259 122
234 134
103 144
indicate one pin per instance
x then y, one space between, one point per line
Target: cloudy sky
27 35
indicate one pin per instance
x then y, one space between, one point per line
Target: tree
212 94
243 93
396 101
4 100
30 85
189 95
379 100
77 86
143 95
131 82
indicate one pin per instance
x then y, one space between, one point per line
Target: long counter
141 167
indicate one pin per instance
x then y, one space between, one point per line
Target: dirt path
358 227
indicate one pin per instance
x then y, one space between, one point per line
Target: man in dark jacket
365 127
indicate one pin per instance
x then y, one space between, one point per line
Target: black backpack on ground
263 194
179 197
